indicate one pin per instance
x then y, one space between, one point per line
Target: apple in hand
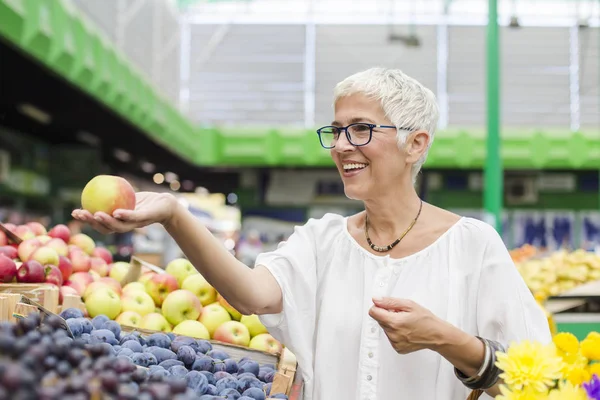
31 272
105 301
266 342
80 260
233 332
9 251
99 266
27 247
103 254
8 269
201 288
60 231
213 316
84 242
107 193
53 275
155 322
159 287
45 256
180 268
235 314
129 318
252 322
58 245
137 301
181 305
193 329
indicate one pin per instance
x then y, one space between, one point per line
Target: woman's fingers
112 223
87 217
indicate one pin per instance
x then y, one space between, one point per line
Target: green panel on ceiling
102 81
63 49
86 64
13 15
39 28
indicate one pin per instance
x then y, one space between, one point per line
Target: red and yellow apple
235 314
27 247
159 287
233 332
145 277
80 260
37 228
58 245
64 291
252 322
99 266
103 254
201 288
180 268
137 301
181 305
133 287
84 242
45 256
213 316
105 301
156 322
60 232
24 232
266 342
129 318
79 281
119 270
193 329
43 239
107 193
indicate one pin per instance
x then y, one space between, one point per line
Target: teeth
354 166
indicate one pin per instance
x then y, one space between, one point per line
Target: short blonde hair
405 101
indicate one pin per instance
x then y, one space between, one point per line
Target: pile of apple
53 256
179 300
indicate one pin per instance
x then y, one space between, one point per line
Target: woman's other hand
150 208
408 326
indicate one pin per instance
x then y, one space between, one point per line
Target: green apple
180 268
181 305
155 322
45 255
233 332
235 314
129 318
201 288
137 301
159 286
134 287
266 342
212 316
252 322
105 301
193 329
119 270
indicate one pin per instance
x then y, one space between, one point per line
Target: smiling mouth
354 167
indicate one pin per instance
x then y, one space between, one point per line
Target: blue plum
170 363
249 366
218 354
103 336
254 393
226 383
178 371
75 326
133 345
231 366
160 353
204 346
229 394
99 320
197 381
187 355
144 359
70 313
114 327
160 340
209 377
203 363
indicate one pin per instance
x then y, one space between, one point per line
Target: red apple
92 287
45 255
9 251
159 287
79 281
65 266
11 227
53 275
112 283
27 247
233 332
24 232
99 266
3 239
80 260
59 245
8 269
107 193
37 228
65 290
31 272
60 232
84 242
103 254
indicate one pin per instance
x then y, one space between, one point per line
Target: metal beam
493 171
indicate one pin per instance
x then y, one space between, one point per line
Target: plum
246 383
170 363
228 382
144 359
254 394
160 340
209 377
160 353
125 351
229 393
99 320
75 326
249 366
103 336
133 345
203 363
178 371
197 381
70 313
204 346
218 354
114 327
183 341
187 355
231 366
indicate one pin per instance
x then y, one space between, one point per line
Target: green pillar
493 173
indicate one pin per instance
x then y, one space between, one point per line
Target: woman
388 303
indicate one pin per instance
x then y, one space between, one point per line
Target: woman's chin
354 193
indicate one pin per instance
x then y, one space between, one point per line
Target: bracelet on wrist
488 373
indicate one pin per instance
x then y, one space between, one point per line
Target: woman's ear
417 145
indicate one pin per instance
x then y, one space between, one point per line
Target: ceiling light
35 113
158 178
175 185
122 155
147 167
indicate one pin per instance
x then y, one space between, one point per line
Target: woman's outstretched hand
150 208
408 326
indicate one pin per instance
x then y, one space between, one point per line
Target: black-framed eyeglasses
359 134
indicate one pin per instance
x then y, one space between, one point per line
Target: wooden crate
285 380
42 293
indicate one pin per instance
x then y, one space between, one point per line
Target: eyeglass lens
359 135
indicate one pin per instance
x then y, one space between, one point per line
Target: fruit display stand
577 310
11 294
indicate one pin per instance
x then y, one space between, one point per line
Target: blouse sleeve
294 266
506 309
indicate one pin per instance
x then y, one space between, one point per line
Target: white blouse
328 280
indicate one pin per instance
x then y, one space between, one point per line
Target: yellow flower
575 368
568 391
566 342
530 365
594 369
519 395
590 347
